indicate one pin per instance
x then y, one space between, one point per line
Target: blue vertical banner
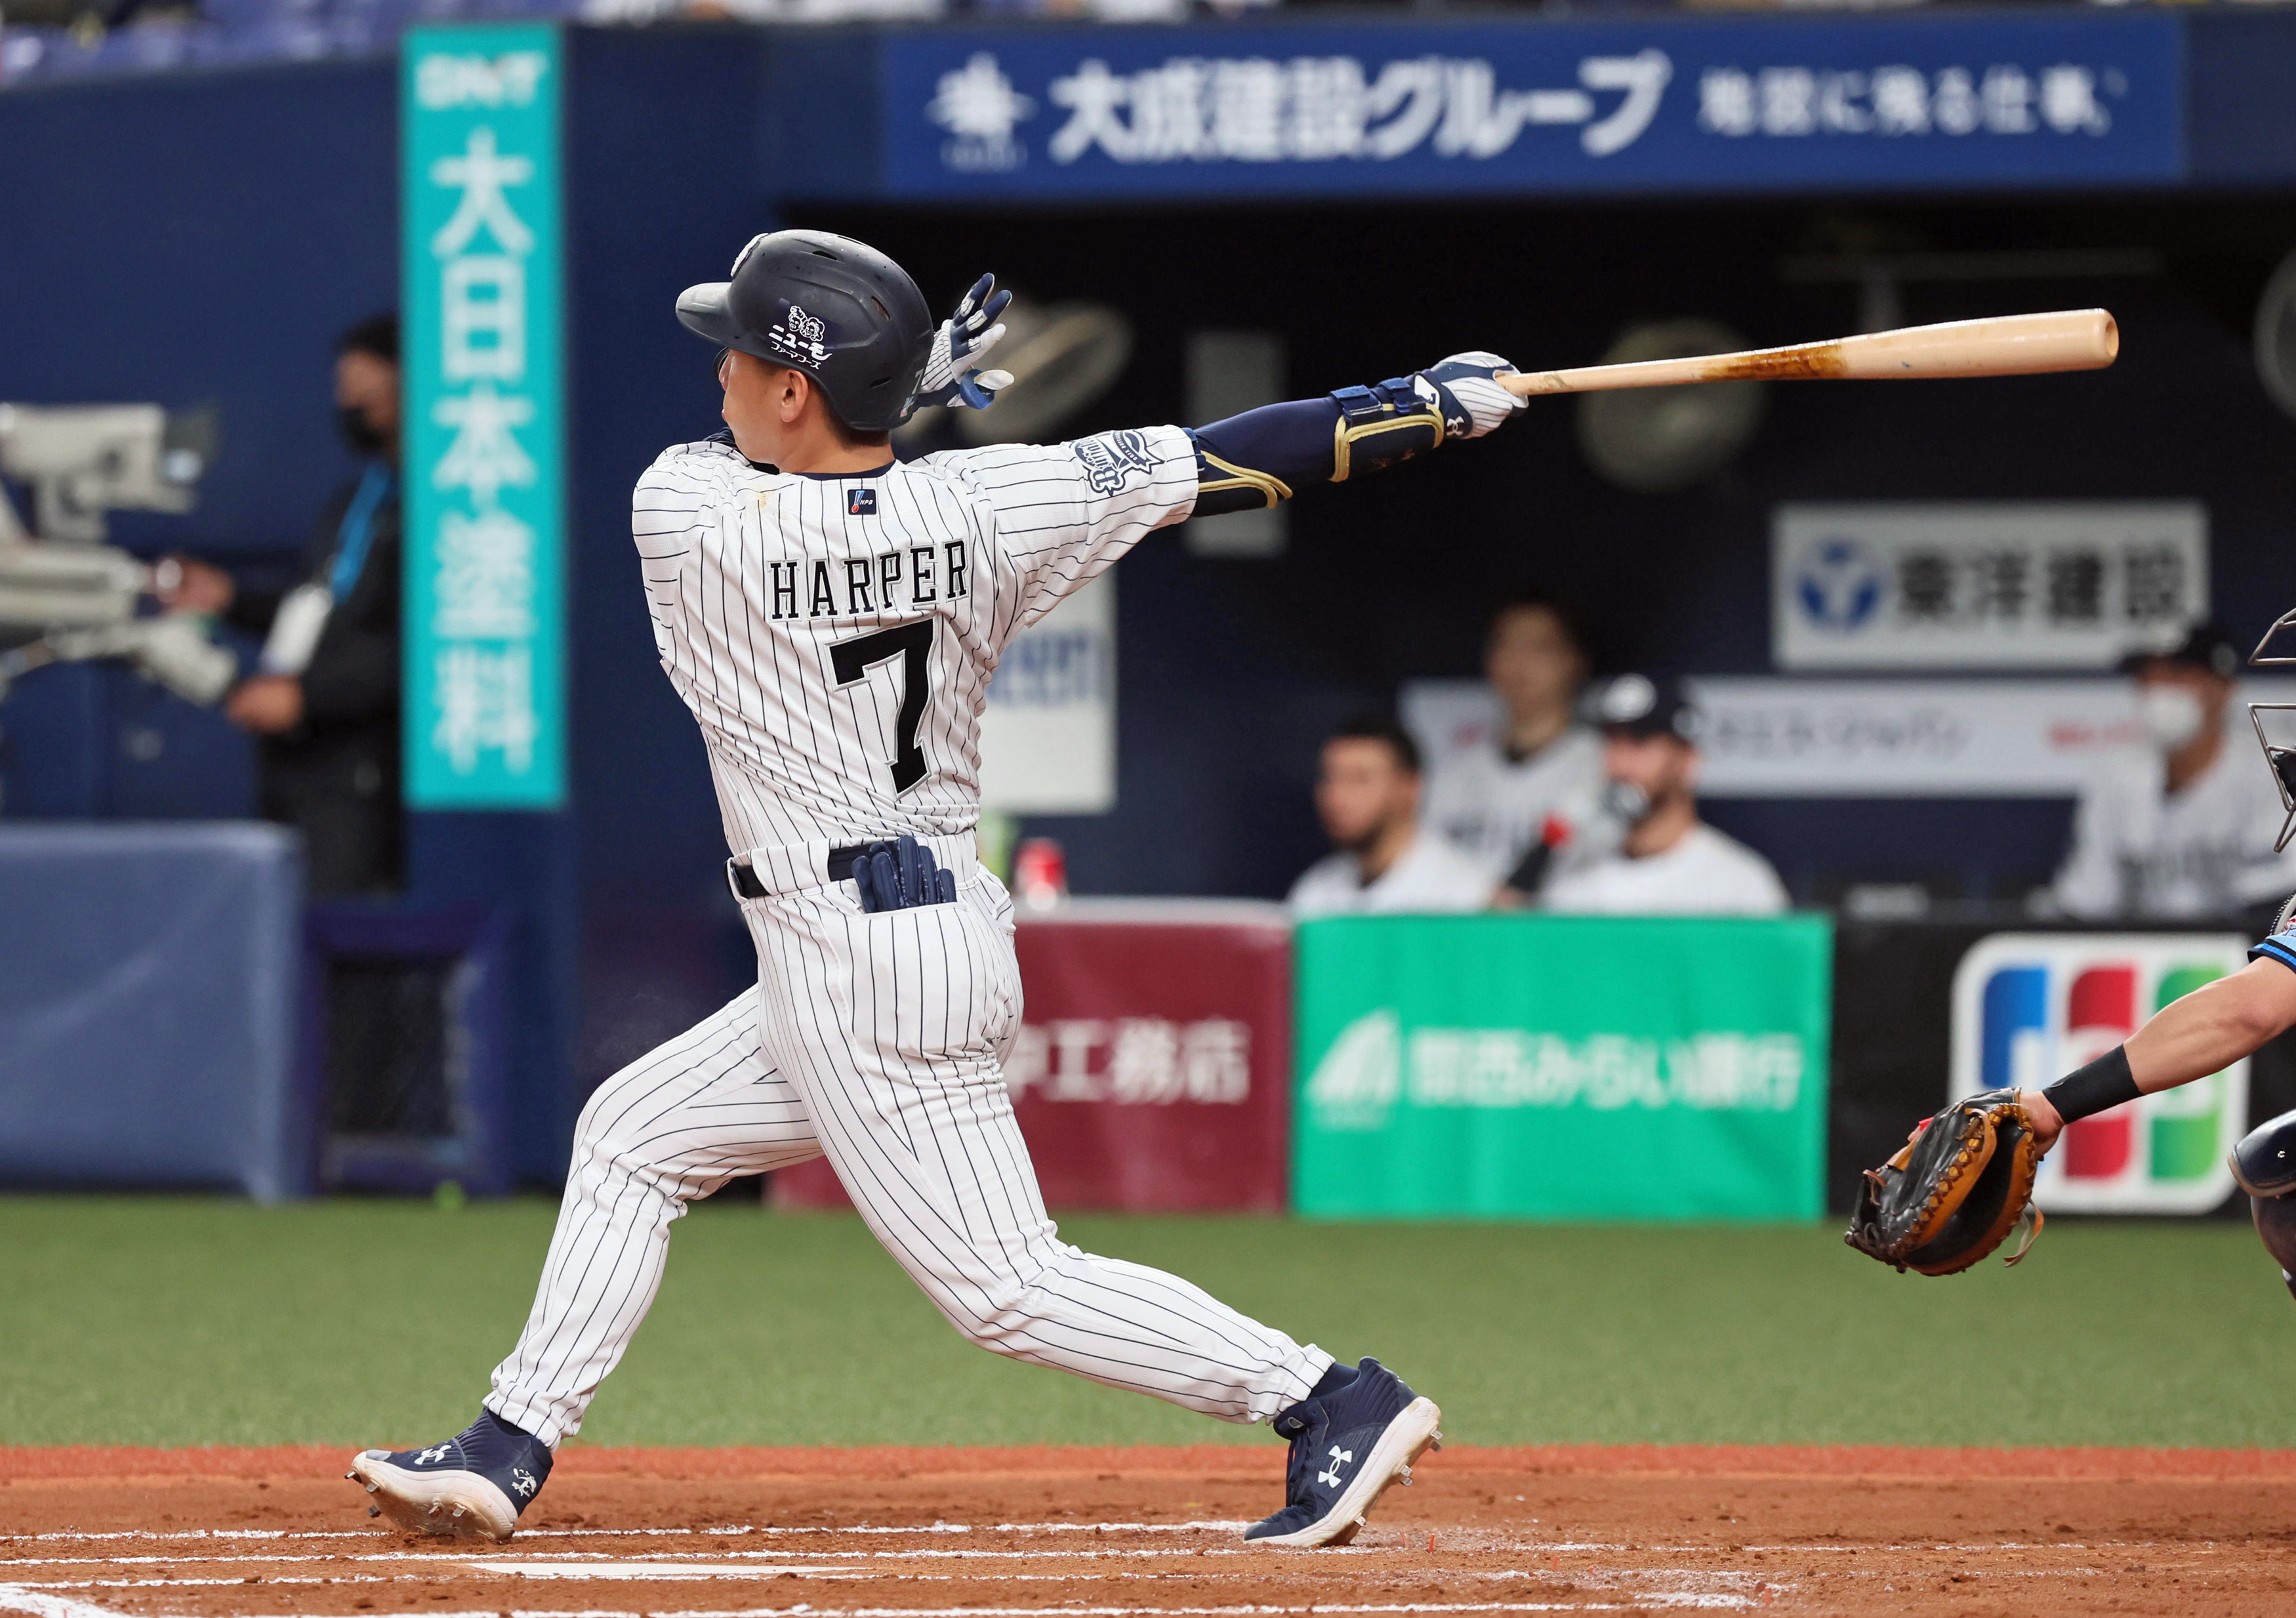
482 224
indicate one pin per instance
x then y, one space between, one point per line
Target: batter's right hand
1466 391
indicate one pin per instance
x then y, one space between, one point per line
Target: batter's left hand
966 336
1461 388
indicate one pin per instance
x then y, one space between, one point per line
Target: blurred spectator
1670 862
1368 794
324 697
2187 828
1508 803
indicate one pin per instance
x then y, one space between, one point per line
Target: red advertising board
1153 1069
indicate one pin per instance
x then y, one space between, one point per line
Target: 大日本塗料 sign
1703 103
485 508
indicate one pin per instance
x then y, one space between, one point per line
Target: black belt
745 881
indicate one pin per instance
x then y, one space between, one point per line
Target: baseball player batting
833 617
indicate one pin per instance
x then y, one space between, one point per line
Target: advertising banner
2013 585
1814 737
485 420
1966 101
2028 1007
1048 734
1153 1070
1561 1067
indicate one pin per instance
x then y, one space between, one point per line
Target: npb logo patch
2028 1007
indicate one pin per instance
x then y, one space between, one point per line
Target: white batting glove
1463 388
964 337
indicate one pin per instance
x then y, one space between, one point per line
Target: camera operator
324 700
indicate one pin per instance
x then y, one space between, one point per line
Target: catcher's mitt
1954 1193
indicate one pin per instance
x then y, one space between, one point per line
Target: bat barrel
2007 345
2004 345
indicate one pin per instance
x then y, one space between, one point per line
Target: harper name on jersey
869 581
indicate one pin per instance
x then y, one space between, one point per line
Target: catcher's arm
2201 1034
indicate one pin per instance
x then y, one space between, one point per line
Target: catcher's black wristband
2105 1082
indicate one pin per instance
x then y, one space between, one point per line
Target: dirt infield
1153 1533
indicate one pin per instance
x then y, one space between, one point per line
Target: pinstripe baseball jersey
835 634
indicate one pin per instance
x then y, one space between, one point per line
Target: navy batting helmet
835 308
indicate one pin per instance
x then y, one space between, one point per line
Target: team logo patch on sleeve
860 502
1111 460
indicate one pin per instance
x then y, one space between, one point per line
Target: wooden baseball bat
2005 345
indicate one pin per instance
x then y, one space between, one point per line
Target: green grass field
183 1321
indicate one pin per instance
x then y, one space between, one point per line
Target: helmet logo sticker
800 335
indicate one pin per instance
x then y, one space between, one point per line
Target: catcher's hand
1962 1183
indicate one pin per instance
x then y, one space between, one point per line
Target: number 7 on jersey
851 660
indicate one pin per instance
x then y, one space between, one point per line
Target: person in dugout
323 699
1667 860
2180 828
1381 858
1510 799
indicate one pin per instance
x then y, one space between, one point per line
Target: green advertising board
485 502
1561 1067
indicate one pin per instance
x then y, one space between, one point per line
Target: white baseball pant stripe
877 1040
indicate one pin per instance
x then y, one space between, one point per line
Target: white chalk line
1288 1610
675 1571
16 1599
449 1554
725 1530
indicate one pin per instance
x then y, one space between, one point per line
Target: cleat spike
351 1476
374 1511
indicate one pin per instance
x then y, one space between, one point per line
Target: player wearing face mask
2185 830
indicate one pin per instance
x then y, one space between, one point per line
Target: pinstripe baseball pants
878 1041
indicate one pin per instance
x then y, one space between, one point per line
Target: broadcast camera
67 596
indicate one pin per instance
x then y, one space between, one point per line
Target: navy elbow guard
1380 425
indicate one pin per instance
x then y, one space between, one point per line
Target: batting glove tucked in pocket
1464 388
965 336
901 876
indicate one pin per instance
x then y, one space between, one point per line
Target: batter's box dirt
1154 1533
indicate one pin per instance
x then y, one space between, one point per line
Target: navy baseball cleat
473 1486
1349 1444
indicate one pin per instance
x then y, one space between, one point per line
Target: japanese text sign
1561 1067
2025 584
484 418
1662 104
